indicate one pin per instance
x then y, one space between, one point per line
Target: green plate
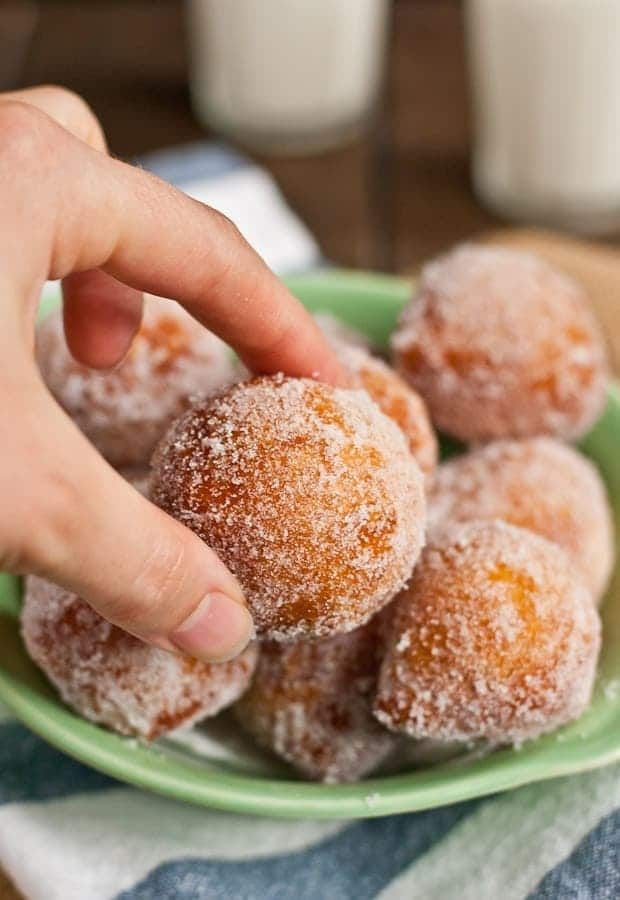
215 768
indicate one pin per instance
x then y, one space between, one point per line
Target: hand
68 210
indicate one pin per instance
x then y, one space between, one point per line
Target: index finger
173 245
153 237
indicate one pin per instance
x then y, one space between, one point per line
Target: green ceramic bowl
215 768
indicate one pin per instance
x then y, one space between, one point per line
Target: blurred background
360 109
386 200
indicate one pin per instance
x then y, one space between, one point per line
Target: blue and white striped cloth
69 833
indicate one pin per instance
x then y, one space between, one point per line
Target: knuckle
74 113
223 222
160 597
226 228
228 243
56 95
26 136
55 523
61 95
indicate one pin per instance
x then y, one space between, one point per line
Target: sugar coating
310 703
499 344
308 493
125 411
502 639
538 484
396 399
116 680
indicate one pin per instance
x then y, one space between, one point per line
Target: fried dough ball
125 411
396 399
308 493
310 703
499 344
495 638
539 484
116 680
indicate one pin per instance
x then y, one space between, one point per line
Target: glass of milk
545 78
286 75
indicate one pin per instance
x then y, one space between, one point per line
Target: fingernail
217 630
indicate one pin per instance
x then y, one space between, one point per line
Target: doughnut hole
116 680
310 704
397 400
495 638
308 493
125 411
499 344
539 484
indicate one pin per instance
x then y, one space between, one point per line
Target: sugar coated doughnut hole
310 703
116 680
539 484
499 344
495 638
125 411
396 399
308 493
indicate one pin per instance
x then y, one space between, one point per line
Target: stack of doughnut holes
395 598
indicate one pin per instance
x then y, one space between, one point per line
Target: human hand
68 210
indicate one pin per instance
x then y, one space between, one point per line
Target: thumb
97 536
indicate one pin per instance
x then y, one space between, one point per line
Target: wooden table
387 202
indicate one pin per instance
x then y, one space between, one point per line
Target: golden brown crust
539 484
499 344
496 637
114 679
309 495
124 412
310 703
397 400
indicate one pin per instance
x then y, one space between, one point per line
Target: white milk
546 89
286 74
